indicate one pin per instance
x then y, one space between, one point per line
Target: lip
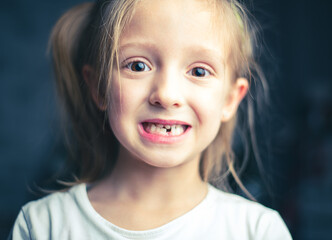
155 138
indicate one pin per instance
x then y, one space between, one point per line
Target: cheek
120 111
209 105
117 106
123 96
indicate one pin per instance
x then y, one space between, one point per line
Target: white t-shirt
70 215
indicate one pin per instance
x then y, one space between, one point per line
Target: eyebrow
206 52
138 44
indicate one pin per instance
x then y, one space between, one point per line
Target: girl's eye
200 72
138 66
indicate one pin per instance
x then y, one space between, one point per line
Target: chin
160 160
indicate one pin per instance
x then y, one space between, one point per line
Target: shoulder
233 202
36 218
54 204
249 216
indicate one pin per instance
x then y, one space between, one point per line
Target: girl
152 88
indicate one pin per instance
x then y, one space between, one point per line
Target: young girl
152 88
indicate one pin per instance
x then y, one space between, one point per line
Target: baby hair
89 34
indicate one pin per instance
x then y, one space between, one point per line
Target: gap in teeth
167 130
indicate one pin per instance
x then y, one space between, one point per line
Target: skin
154 183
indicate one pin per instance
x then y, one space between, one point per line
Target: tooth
167 126
161 131
160 125
174 131
152 128
180 129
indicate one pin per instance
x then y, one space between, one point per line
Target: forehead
180 24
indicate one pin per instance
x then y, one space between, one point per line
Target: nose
167 90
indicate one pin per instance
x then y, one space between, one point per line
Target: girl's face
171 94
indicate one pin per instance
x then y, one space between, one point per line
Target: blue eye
138 66
199 72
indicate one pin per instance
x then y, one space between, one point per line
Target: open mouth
164 129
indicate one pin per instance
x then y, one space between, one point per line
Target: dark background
298 38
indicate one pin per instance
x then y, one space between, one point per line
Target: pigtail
64 44
69 44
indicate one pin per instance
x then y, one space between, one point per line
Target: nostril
176 105
157 103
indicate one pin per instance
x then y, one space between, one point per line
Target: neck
134 180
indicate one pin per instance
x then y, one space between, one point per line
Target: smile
163 131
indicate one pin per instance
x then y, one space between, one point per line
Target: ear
237 93
93 85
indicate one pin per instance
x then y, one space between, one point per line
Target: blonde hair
89 34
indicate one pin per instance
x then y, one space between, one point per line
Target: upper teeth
162 129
